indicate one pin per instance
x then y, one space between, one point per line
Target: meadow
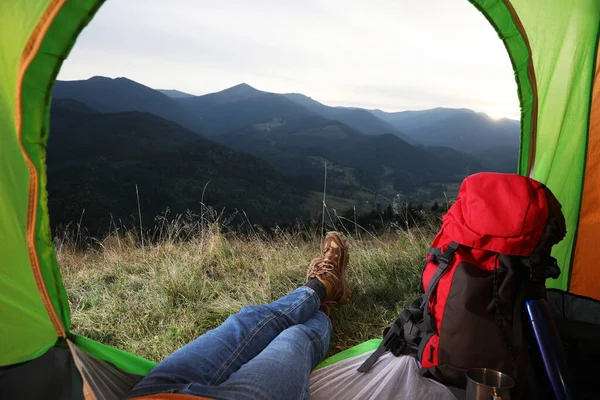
151 294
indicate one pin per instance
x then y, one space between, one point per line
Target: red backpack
492 252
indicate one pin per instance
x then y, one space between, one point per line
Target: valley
252 155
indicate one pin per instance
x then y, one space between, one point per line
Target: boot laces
320 267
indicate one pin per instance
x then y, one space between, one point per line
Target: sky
392 55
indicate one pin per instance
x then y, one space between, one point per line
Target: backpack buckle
446 257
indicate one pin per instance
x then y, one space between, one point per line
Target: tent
553 47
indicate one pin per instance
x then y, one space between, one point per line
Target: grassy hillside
357 162
151 299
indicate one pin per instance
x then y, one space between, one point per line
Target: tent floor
51 376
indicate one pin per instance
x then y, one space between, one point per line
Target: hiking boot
330 270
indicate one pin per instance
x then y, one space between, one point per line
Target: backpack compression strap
413 322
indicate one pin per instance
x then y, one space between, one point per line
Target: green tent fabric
553 46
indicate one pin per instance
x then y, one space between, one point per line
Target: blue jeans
263 352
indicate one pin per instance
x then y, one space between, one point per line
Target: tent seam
533 83
30 51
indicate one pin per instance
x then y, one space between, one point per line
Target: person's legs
214 356
281 370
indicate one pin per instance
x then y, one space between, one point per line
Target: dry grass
153 299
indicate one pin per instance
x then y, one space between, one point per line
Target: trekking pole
550 346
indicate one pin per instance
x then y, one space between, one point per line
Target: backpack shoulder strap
444 261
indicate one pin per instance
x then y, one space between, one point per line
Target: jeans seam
253 333
308 345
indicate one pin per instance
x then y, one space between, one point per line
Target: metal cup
488 384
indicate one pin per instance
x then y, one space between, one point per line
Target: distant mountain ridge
240 106
231 109
174 94
121 95
357 118
240 92
494 141
413 119
460 127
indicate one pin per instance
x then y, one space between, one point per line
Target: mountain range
262 152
